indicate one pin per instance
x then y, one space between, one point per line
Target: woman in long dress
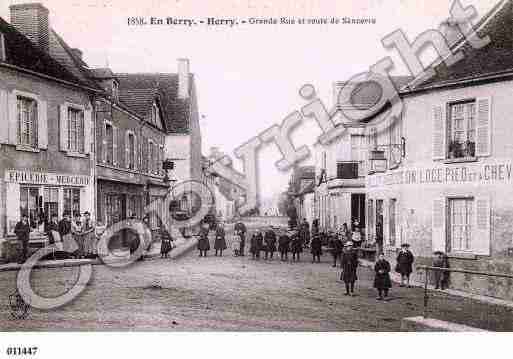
220 241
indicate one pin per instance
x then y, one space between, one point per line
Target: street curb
174 254
481 298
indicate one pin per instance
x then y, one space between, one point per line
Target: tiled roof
138 101
176 111
21 52
496 57
61 52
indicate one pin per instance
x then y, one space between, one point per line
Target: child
441 277
382 280
236 244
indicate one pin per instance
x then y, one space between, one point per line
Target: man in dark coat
305 232
405 264
270 243
441 277
316 248
335 242
51 228
256 240
349 264
22 231
240 227
283 246
296 245
382 280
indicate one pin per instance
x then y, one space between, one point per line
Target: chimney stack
32 21
183 78
77 52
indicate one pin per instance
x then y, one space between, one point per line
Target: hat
438 252
348 244
87 212
405 245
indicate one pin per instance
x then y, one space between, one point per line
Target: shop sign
44 178
483 173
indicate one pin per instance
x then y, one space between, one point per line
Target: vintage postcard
254 166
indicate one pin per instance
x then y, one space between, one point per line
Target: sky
247 76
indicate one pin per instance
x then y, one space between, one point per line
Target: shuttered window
462 130
461 214
76 130
27 121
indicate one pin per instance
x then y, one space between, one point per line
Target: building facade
451 190
46 124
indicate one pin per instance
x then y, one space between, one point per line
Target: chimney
450 31
77 53
183 78
32 21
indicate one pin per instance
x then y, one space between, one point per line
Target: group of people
62 233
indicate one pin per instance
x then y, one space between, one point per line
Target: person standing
316 248
336 245
203 242
304 232
346 234
404 265
76 231
220 241
88 230
441 277
382 280
52 231
356 236
65 232
241 227
283 246
236 243
22 231
296 246
270 243
349 264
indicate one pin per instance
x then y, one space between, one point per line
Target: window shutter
13 118
104 141
483 127
137 154
42 123
63 124
439 134
438 239
4 117
481 234
386 234
13 203
87 131
115 140
127 149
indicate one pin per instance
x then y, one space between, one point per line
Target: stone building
451 189
46 124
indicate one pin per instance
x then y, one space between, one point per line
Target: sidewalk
182 247
489 300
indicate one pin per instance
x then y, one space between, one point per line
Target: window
155 114
71 200
51 200
27 121
75 130
29 204
152 157
359 153
135 206
392 222
347 170
462 129
109 144
131 151
460 224
370 216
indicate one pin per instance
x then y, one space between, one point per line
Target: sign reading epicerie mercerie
449 174
44 178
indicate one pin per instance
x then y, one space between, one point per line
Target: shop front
39 195
460 209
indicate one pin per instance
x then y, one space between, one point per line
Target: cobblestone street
234 293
